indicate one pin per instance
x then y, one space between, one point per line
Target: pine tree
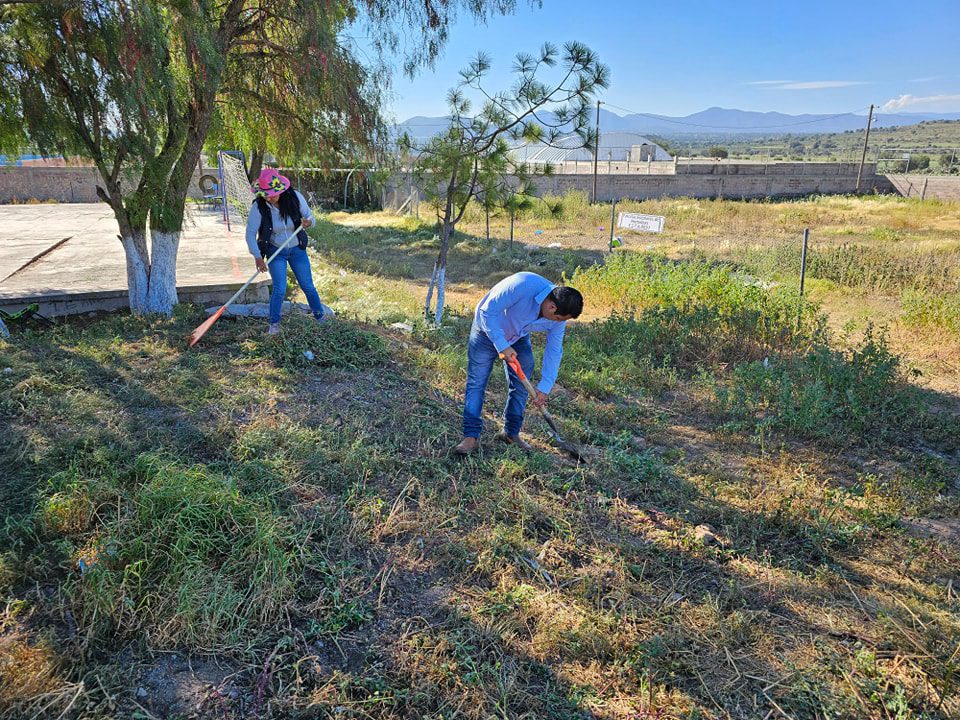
471 159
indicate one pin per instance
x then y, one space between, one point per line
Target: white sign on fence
640 223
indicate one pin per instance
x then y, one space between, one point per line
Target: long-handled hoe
569 448
208 323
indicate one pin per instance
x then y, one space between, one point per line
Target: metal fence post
613 221
803 259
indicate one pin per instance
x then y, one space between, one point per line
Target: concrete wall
733 185
941 187
62 184
703 179
59 304
712 179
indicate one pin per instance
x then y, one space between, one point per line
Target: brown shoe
515 440
467 446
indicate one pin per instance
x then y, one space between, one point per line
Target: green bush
824 393
934 311
693 313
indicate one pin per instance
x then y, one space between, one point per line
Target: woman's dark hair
568 301
289 204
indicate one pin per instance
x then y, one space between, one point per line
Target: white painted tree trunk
441 292
162 293
138 274
151 275
433 282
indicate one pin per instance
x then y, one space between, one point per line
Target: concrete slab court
68 258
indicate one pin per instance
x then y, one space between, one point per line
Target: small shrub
825 393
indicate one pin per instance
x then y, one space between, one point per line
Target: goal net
237 195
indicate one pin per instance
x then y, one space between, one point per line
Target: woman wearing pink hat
278 209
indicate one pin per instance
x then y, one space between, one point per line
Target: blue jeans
300 264
481 356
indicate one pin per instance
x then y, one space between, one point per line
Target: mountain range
716 120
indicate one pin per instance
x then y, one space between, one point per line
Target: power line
732 127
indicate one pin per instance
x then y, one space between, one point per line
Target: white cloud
819 84
805 84
930 102
928 79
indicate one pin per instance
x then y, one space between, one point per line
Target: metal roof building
616 146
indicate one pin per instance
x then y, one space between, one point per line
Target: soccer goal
237 195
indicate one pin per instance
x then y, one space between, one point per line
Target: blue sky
684 56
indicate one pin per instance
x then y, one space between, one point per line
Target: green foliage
928 310
715 151
332 344
826 393
181 553
694 313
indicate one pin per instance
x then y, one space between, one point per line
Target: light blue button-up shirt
282 227
511 310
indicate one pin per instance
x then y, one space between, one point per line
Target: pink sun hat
270 183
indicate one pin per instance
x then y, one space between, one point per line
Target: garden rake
569 448
208 323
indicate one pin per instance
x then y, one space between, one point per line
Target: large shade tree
134 86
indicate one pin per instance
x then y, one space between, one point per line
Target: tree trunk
138 268
441 293
162 293
256 164
440 274
433 282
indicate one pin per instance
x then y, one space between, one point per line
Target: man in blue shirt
515 307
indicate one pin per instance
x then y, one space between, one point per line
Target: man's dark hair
568 301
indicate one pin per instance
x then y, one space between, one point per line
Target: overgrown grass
176 551
301 524
697 316
932 311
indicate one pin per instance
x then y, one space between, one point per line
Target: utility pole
596 154
866 139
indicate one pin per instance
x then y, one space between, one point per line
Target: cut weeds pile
243 532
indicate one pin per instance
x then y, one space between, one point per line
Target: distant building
614 146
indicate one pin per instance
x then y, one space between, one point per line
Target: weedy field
767 528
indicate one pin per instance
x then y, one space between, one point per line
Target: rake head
202 328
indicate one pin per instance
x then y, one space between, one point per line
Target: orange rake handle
515 366
573 450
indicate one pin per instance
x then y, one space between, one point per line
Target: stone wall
61 184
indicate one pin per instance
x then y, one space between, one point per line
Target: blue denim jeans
300 264
481 356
